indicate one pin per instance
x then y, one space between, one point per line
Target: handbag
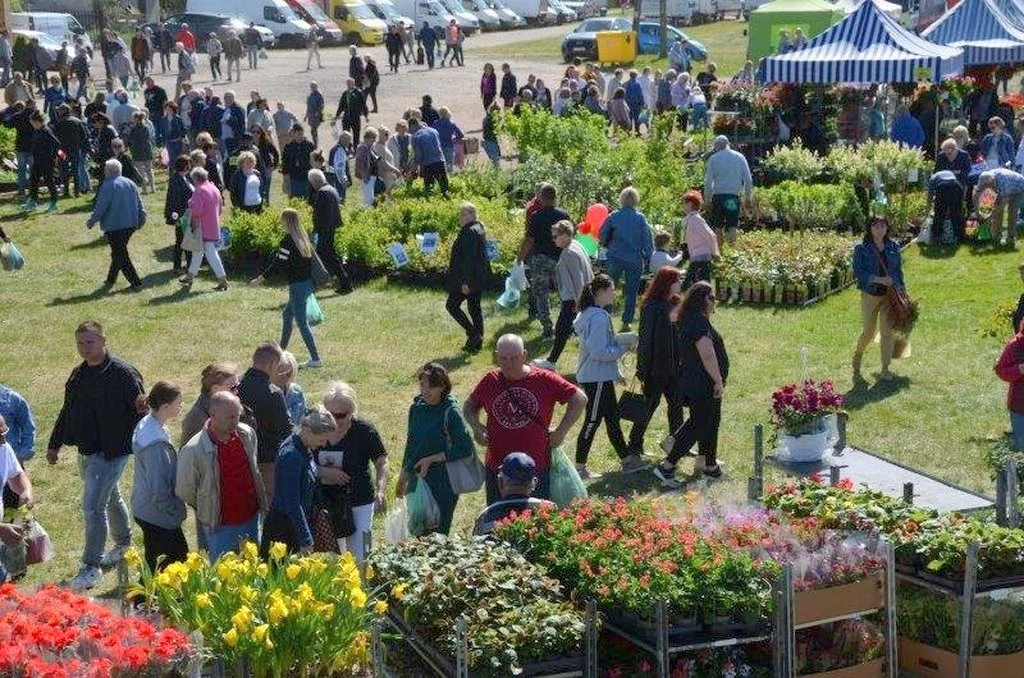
900 310
319 272
324 538
467 474
633 404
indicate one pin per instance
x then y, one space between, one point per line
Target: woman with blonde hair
295 257
387 169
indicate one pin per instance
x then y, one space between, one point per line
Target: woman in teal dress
437 434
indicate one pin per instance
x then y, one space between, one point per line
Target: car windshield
314 11
470 5
360 11
595 25
385 11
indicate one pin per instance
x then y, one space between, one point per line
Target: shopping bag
324 538
566 483
424 513
314 316
518 276
396 524
38 548
633 406
509 299
11 258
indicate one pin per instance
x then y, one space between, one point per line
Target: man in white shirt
726 178
13 476
613 84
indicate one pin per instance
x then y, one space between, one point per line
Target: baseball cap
518 467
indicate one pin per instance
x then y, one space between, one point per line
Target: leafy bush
537 132
794 163
262 233
810 206
778 258
7 135
934 619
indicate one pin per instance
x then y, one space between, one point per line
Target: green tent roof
799 6
812 16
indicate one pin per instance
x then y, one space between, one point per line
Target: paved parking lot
283 77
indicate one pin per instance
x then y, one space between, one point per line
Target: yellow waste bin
616 47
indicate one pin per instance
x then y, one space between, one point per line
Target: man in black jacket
351 107
103 401
73 136
326 220
44 156
156 97
355 66
468 271
508 89
295 163
16 117
266 402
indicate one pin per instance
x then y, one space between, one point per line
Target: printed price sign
429 242
492 250
398 254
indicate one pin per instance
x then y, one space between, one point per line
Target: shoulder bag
899 308
464 475
633 404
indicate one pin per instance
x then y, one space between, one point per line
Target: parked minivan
358 22
310 12
429 11
386 12
288 29
58 26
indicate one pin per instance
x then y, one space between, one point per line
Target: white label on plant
429 242
912 175
398 255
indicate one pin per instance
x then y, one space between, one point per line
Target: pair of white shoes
88 576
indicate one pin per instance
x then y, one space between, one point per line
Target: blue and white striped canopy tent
1013 10
982 30
866 47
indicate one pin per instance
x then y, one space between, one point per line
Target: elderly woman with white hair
296 486
119 211
366 165
344 462
204 210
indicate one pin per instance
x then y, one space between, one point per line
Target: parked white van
58 26
276 15
430 11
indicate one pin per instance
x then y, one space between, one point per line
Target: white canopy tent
890 8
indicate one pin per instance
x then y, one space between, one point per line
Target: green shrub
537 132
794 163
7 135
810 206
262 233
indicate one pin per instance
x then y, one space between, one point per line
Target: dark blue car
650 39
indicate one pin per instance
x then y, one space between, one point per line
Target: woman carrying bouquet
437 434
878 268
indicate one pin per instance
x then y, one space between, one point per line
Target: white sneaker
112 557
311 364
545 365
86 578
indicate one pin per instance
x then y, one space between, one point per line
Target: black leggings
371 95
563 329
602 404
474 324
655 391
161 542
435 172
701 428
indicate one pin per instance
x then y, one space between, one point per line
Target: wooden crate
925 661
871 669
838 601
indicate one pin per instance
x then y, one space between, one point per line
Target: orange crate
837 601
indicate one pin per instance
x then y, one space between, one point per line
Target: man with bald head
520 403
218 477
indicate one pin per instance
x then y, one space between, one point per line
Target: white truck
385 10
534 11
276 15
680 12
488 18
704 11
430 11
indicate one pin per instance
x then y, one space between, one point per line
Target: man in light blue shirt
726 178
119 211
1009 188
426 151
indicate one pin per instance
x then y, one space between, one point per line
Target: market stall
866 47
984 32
811 16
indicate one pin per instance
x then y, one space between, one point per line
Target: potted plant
804 418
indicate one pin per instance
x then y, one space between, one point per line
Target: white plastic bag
518 276
924 237
396 525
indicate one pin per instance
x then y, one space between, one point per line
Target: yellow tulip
230 638
248 593
251 551
293 571
260 632
398 591
278 550
358 598
326 610
203 600
262 570
305 593
369 573
194 562
277 611
380 607
242 619
132 558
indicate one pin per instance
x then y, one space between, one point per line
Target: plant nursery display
934 619
515 614
54 633
309 614
804 416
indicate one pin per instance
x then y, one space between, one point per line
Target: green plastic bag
566 483
314 316
424 513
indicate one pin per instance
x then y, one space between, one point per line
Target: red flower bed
54 633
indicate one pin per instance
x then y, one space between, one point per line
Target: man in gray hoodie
572 273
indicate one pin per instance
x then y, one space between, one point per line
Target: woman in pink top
204 210
700 241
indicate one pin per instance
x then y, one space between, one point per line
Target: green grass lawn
937 416
726 42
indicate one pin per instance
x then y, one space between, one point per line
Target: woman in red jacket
1010 369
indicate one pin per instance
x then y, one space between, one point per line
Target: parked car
565 14
586 8
202 25
509 19
20 46
57 25
582 42
650 40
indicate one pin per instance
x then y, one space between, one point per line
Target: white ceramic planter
813 445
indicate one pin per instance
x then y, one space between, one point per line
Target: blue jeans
295 309
449 157
159 125
24 159
224 538
1017 426
493 151
101 500
254 56
615 268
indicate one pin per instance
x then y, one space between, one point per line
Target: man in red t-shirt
218 476
186 38
520 402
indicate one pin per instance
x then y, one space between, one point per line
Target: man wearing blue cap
517 479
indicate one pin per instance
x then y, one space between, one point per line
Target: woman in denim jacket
877 266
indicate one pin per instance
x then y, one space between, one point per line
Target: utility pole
663 29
